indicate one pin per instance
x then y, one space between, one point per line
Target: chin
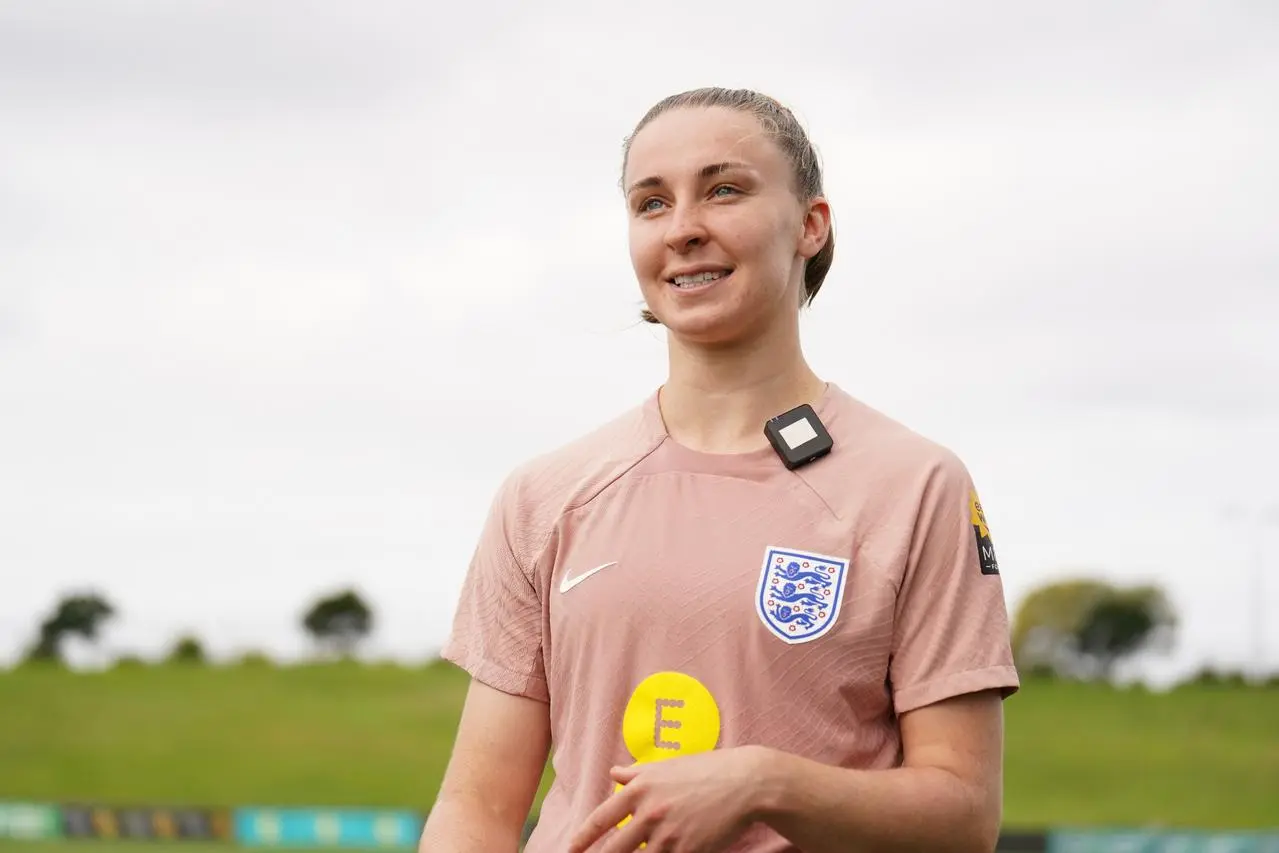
725 315
706 326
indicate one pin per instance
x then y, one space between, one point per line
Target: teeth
687 280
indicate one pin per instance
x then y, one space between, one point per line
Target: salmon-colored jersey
666 602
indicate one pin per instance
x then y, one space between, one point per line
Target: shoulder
888 450
911 491
538 491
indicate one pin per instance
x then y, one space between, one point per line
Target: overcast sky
259 261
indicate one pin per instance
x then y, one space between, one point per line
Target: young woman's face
718 238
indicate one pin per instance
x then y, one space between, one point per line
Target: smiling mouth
695 282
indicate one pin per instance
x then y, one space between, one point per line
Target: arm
946 796
492 776
503 737
951 668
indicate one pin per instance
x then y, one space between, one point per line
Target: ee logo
669 714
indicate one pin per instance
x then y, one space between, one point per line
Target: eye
646 206
731 189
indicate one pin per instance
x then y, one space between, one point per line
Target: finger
625 774
629 838
605 816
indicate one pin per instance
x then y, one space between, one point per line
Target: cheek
752 231
636 260
646 251
764 242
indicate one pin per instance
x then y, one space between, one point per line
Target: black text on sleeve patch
985 548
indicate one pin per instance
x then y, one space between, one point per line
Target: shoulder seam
574 507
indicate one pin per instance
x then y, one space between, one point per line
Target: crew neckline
762 460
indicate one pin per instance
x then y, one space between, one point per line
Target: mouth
699 281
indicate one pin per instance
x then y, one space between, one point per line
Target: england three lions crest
799 594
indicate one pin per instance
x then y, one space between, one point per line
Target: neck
717 399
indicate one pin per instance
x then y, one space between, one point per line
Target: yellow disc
670 714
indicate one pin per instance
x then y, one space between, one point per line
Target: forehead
682 141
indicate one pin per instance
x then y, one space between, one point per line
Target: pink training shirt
665 601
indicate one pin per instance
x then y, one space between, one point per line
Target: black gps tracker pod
798 436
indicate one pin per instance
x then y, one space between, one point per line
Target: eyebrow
705 172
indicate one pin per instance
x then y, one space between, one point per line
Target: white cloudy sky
286 289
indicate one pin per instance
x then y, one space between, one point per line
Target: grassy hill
350 735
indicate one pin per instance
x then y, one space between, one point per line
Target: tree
1051 613
339 622
253 659
187 649
76 615
1124 623
1084 627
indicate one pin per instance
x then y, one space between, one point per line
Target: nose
686 230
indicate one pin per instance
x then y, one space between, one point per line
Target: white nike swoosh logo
567 583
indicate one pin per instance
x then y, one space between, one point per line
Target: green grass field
350 735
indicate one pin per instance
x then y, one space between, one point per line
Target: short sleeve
951 633
497 628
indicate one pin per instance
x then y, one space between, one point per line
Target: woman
730 650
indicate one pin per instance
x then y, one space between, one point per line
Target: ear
815 227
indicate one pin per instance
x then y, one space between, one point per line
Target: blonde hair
786 132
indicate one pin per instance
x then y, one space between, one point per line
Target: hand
689 804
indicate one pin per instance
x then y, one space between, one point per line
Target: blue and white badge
799 593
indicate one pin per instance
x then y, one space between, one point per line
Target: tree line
1079 629
336 624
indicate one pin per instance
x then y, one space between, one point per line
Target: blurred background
287 289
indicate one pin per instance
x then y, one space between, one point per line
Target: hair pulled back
786 132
